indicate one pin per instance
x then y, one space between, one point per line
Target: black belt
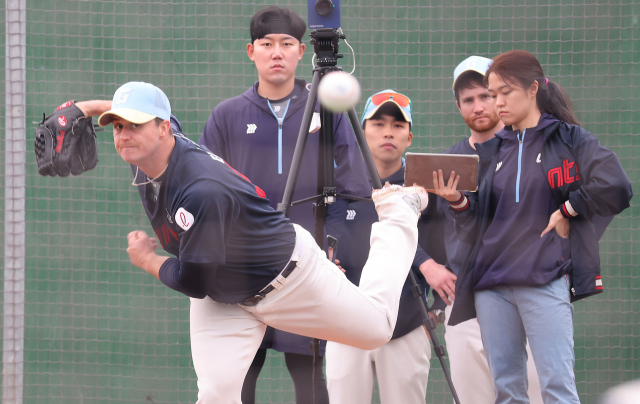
252 301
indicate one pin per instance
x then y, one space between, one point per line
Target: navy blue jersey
210 216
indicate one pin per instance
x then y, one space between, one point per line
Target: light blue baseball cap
137 102
472 63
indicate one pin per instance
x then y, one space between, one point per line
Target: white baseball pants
469 368
315 300
401 367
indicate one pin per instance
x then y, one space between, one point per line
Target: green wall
100 331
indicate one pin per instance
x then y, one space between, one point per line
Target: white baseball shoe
415 197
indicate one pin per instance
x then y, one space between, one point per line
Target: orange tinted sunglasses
399 98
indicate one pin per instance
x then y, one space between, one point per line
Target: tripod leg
364 148
292 179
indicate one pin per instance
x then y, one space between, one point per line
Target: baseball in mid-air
339 91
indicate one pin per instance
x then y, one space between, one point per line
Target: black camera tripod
325 45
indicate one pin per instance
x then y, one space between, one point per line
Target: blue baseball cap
137 102
477 64
387 96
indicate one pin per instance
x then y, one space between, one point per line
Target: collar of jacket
252 95
396 178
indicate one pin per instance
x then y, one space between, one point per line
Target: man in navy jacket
256 133
401 366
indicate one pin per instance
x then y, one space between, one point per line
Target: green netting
100 331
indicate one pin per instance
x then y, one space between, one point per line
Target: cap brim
127 114
373 111
462 73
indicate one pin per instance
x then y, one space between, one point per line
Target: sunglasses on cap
402 100
375 101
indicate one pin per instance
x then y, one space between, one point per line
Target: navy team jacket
438 236
245 133
579 170
353 251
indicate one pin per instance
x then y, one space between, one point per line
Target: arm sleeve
606 189
186 277
420 257
213 135
465 219
350 170
350 174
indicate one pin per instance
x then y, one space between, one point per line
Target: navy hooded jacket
573 167
245 133
438 236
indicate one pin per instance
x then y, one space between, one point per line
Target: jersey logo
184 219
498 166
251 128
164 234
538 159
562 175
351 214
216 158
276 108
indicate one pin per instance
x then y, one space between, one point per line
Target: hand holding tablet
424 169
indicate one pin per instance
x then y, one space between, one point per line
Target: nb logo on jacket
251 128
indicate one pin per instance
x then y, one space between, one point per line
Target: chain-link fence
90 328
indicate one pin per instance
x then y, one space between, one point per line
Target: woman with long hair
542 180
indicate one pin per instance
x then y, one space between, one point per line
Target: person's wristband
460 204
567 210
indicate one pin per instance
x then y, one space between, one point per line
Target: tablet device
419 168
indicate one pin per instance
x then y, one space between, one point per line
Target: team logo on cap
62 121
184 219
123 96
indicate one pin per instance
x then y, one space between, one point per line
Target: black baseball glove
66 142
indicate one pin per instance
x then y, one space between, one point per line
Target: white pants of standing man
469 368
315 300
401 367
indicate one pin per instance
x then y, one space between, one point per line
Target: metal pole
14 209
292 179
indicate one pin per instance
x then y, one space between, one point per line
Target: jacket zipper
280 120
519 164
